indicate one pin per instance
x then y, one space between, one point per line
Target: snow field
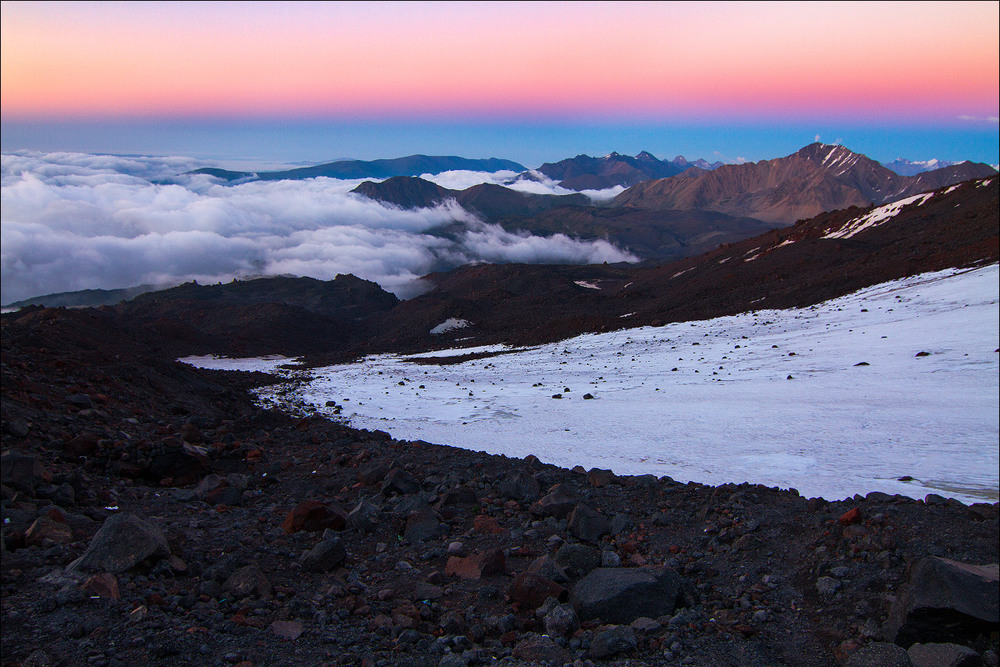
712 401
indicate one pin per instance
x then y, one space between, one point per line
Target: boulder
363 518
313 515
123 542
22 471
559 502
248 580
587 524
612 641
399 481
530 590
422 525
945 601
536 648
578 559
943 655
879 654
325 556
621 595
520 486
598 477
561 620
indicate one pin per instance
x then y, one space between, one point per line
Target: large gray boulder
123 542
621 595
945 601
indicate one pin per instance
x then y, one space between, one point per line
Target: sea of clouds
73 221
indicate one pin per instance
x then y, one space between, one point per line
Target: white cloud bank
75 221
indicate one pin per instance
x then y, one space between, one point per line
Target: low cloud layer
74 221
537 184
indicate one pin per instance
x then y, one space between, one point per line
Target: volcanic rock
621 595
123 542
945 601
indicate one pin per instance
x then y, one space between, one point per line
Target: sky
532 82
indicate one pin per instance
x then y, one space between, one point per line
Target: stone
943 655
547 567
47 528
587 524
22 471
462 495
530 590
598 477
612 641
850 517
123 542
578 559
561 620
520 486
945 601
452 623
423 590
476 566
483 523
559 502
325 556
290 630
400 482
536 648
364 517
102 585
827 586
645 625
248 580
422 525
879 654
621 595
313 516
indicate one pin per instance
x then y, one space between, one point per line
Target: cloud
817 138
979 119
537 183
74 221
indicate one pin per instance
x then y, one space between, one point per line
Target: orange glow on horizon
927 60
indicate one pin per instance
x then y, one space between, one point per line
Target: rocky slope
153 515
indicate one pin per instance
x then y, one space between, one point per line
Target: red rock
849 517
312 515
46 528
469 568
103 585
487 524
530 590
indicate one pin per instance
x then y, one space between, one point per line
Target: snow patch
876 217
725 410
584 283
450 324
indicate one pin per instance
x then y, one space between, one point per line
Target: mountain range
690 211
817 178
412 165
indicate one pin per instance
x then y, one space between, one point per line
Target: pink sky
930 62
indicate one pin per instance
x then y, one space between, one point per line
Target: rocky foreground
153 515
